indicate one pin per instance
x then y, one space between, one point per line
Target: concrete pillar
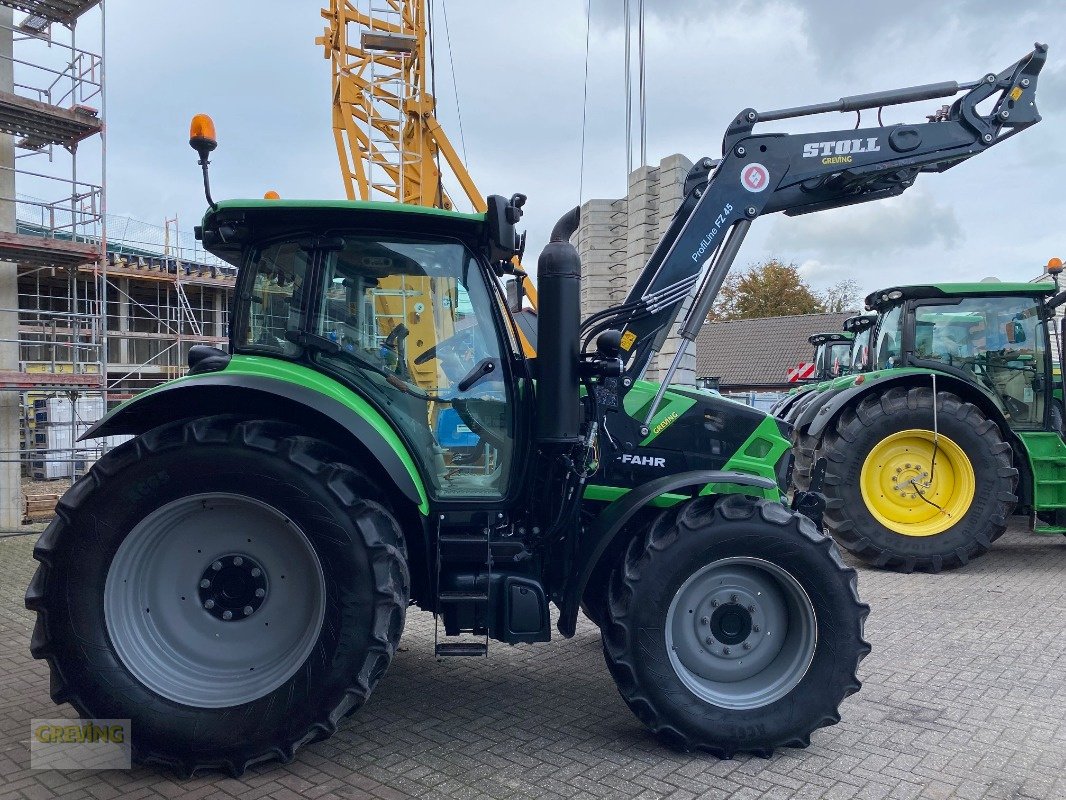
220 306
123 321
10 402
617 237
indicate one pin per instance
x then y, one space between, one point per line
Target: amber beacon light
202 140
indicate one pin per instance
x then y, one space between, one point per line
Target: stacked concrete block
616 239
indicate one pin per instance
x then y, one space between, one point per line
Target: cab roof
859 323
830 336
888 296
231 223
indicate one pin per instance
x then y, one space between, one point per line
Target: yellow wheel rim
898 473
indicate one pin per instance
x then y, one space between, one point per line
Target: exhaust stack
558 328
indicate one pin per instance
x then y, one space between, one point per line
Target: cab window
887 347
412 323
999 340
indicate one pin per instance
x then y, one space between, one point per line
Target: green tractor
856 335
832 358
236 578
956 424
832 354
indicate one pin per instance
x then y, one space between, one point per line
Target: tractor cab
411 316
993 335
832 354
861 328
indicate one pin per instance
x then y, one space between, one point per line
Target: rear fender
609 528
816 417
353 429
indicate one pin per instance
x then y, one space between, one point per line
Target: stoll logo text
840 152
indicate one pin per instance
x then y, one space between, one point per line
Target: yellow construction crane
389 142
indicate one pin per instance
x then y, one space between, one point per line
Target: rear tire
255 500
855 436
786 570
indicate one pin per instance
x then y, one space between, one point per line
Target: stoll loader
235 579
956 424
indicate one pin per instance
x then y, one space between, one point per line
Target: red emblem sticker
755 177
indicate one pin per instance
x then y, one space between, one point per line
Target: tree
841 296
773 289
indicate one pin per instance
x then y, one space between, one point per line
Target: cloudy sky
519 70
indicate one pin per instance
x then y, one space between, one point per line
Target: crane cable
433 91
642 99
455 85
584 105
629 95
642 105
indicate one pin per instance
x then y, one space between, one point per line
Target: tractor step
449 649
463 597
1049 529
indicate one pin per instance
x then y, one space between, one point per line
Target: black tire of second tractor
854 433
356 537
680 541
805 449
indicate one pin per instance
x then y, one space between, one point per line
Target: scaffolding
53 345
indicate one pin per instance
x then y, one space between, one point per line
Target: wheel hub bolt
732 598
725 651
237 561
260 592
705 621
248 610
227 614
751 609
256 572
755 628
746 646
205 583
216 566
209 604
714 604
709 640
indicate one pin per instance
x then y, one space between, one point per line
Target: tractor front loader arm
802 173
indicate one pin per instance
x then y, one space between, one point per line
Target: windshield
832 359
411 325
860 350
999 340
887 347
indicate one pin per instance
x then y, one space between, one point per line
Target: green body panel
671 407
342 205
757 456
288 372
995 288
609 494
1047 458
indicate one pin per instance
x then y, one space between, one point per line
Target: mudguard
269 398
817 416
611 522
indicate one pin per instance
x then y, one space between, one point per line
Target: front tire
227 585
876 452
693 613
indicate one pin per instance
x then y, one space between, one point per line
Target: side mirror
1015 332
501 217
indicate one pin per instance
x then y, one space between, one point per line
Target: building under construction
93 308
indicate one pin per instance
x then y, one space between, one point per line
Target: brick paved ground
964 697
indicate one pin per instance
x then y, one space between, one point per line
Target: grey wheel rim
214 600
741 633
